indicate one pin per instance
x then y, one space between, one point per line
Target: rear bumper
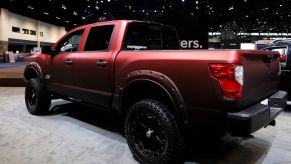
245 122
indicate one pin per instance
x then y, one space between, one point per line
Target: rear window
142 36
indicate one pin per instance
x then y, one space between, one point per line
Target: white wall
4 24
51 33
21 22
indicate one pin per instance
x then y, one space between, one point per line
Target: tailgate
261 76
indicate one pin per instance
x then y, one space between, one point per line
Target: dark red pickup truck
135 68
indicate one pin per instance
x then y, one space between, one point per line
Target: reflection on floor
76 134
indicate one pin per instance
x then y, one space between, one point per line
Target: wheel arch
32 70
143 84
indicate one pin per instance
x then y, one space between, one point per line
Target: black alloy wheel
31 98
152 133
148 134
37 99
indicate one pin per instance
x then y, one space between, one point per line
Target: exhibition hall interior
145 81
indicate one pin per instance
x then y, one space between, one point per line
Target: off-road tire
168 136
37 99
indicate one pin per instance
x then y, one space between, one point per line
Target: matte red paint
184 74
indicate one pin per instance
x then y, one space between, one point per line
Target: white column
37 34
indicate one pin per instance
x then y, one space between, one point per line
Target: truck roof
120 22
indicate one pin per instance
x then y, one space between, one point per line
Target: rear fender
157 78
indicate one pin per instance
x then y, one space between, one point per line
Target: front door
60 76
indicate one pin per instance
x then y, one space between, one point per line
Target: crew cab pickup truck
136 69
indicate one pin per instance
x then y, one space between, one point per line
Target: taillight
230 78
282 58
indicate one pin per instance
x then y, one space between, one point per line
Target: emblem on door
47 77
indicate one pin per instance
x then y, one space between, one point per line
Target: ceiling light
64 7
96 7
67 21
30 7
45 13
83 17
75 13
58 18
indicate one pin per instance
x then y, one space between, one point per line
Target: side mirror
47 50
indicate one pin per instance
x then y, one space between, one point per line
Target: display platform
76 134
11 74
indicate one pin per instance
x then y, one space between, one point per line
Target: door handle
68 62
101 63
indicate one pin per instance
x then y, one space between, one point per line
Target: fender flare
34 66
156 78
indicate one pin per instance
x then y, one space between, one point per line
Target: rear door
93 69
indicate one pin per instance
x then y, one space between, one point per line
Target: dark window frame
16 29
25 31
32 32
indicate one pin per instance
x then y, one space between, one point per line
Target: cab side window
71 42
170 39
141 36
99 38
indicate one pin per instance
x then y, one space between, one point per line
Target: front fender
36 68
